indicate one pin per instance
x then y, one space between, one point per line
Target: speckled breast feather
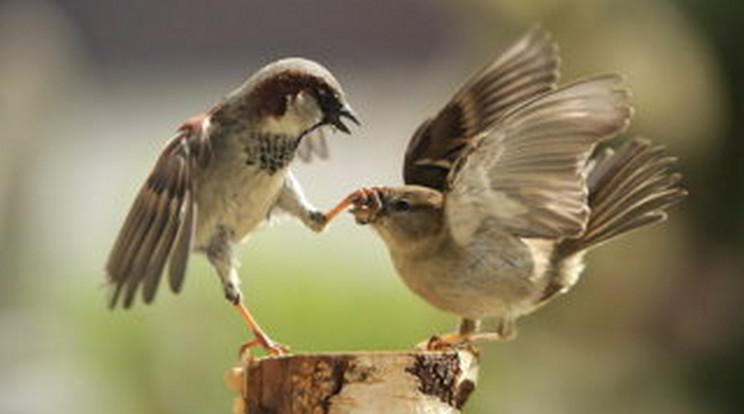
270 152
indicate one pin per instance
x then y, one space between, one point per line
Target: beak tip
349 113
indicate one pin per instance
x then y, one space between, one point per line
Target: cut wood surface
360 382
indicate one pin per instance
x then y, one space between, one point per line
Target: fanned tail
628 188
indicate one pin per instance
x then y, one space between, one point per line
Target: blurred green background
90 90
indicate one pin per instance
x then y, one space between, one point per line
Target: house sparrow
221 176
501 199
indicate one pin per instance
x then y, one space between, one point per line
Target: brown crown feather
272 92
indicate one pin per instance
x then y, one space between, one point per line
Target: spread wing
527 69
526 175
160 224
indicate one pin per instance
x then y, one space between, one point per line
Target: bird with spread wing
221 176
505 192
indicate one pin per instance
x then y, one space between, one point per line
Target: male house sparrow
501 201
221 176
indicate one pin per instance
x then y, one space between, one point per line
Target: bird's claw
440 343
448 342
273 348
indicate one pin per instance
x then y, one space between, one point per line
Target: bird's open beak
337 119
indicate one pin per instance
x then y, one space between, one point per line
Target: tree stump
360 382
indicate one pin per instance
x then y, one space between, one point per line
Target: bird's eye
401 205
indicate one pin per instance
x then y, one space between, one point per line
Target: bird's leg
220 256
260 337
465 331
506 331
468 333
343 205
293 201
468 326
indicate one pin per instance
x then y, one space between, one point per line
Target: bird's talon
448 342
271 347
276 349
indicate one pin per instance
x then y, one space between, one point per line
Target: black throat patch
270 152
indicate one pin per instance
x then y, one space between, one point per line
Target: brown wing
160 224
526 176
527 69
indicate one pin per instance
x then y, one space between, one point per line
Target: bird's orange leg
457 340
261 339
343 205
468 334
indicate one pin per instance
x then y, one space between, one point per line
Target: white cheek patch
287 125
302 113
305 108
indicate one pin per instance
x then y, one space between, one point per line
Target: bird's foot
259 336
455 341
446 342
273 348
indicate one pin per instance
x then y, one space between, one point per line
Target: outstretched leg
220 255
506 331
467 334
292 200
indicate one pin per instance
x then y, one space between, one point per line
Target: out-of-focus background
91 90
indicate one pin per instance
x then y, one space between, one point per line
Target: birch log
364 382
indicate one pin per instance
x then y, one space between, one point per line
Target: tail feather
628 188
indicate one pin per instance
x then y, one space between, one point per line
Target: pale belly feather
478 282
234 196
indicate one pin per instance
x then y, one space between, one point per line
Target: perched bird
501 198
221 176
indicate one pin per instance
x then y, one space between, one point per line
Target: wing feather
527 69
159 225
180 256
527 174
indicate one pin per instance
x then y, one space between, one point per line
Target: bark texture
363 382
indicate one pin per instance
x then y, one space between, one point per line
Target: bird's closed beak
337 121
